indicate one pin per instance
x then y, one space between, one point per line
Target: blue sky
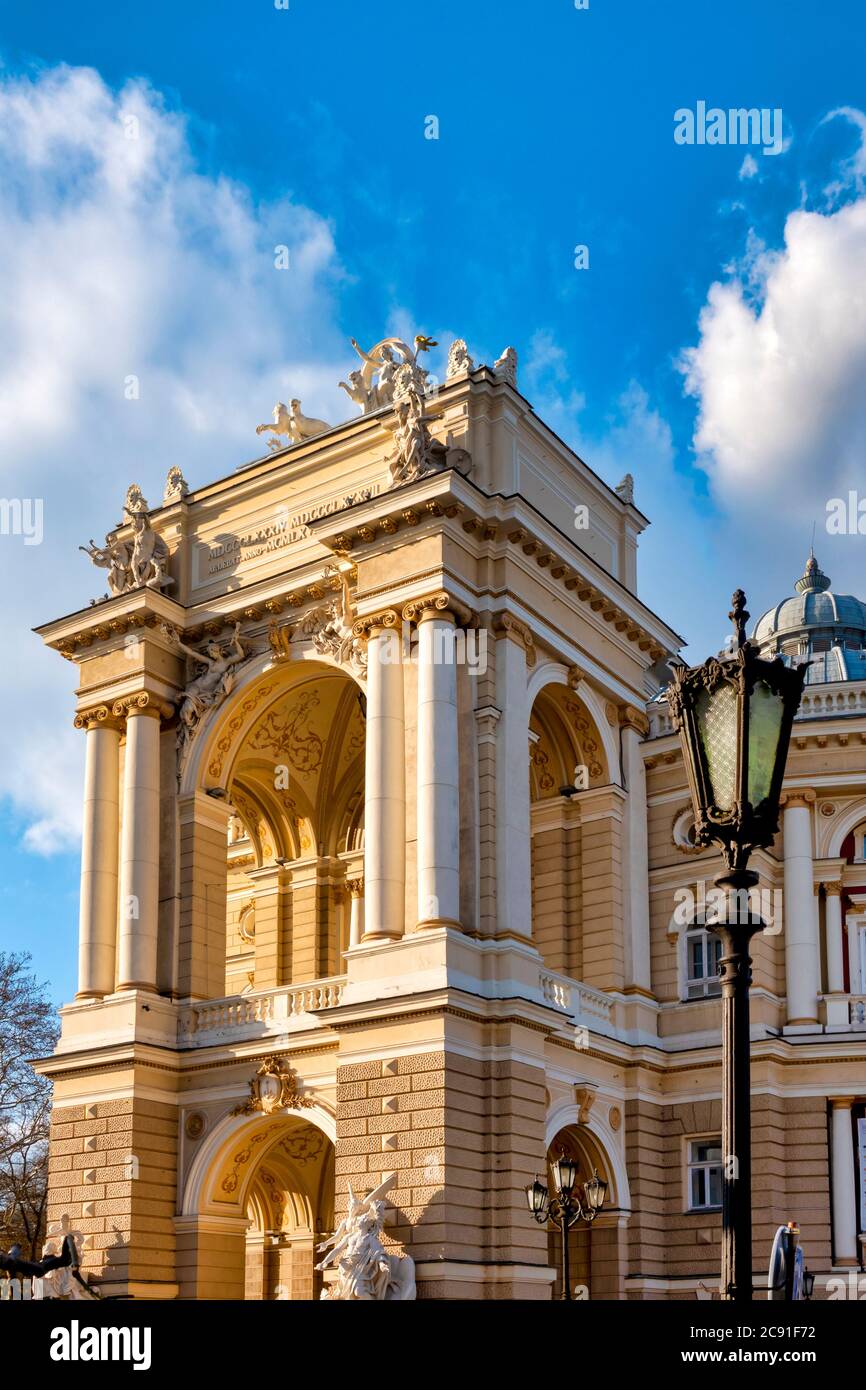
306 127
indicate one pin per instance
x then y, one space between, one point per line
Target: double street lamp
734 715
565 1207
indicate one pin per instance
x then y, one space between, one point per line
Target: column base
428 922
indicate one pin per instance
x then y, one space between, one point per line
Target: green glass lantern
734 715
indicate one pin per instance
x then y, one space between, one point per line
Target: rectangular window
705 1174
703 952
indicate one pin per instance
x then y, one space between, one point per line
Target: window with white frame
703 952
704 1174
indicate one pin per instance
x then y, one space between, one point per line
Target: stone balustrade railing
818 702
259 1013
837 697
857 1010
588 1007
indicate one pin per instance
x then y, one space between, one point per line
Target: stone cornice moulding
458 497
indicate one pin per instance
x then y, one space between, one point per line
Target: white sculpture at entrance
365 1269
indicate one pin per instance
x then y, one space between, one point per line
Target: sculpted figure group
139 560
366 1271
389 372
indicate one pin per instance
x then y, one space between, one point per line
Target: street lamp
565 1208
734 715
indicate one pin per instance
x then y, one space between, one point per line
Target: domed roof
813 606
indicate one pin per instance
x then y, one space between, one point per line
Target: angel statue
365 1269
210 686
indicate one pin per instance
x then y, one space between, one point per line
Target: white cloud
748 168
121 259
779 368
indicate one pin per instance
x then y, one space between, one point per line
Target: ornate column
97 923
833 929
356 910
635 726
802 958
385 780
844 1182
139 854
438 763
515 649
855 981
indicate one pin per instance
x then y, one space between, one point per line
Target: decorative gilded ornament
272 1088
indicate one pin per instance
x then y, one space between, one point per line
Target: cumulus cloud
143 323
779 367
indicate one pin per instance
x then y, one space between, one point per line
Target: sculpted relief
212 682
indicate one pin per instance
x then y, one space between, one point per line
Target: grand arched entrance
258 1200
272 834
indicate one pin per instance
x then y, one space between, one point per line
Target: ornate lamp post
565 1206
734 715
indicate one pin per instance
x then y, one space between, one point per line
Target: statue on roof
376 383
140 560
292 423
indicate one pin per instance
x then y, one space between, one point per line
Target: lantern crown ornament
734 714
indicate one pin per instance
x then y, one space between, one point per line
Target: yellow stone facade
436 896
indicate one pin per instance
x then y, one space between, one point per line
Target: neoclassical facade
386 872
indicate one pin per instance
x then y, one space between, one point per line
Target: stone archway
272 832
597 1252
257 1201
568 768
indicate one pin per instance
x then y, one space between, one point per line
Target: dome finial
813 580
